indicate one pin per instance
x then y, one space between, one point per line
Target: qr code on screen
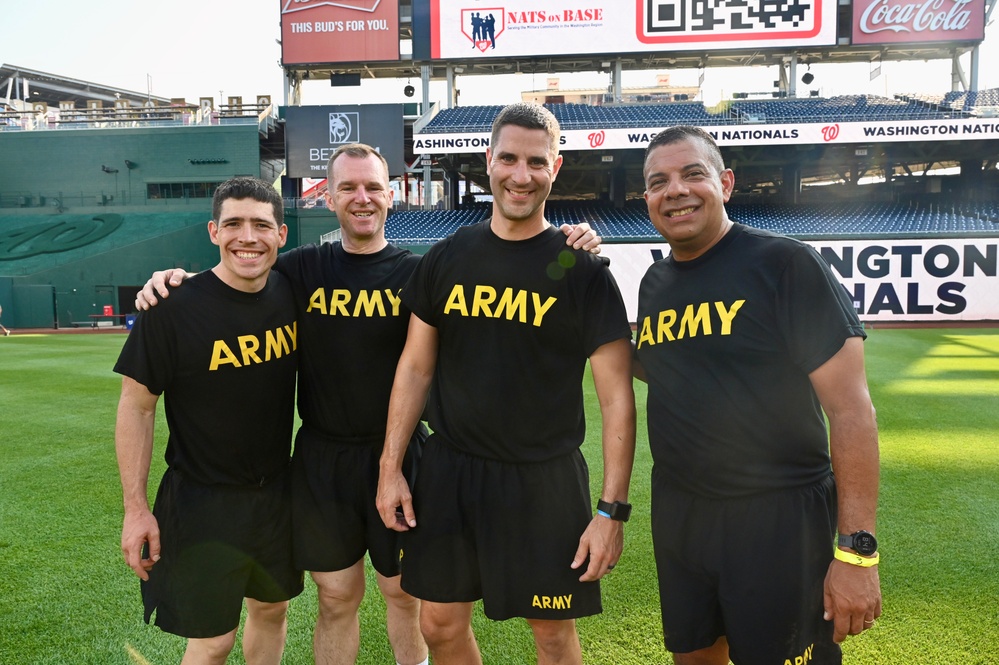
664 18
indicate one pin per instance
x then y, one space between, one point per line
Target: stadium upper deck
814 221
860 108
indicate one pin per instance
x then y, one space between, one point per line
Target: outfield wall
940 280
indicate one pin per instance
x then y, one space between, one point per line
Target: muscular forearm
413 376
409 397
841 385
611 366
134 447
853 444
618 448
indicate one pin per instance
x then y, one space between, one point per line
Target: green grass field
66 597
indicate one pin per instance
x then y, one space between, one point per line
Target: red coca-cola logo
830 132
596 139
926 20
916 17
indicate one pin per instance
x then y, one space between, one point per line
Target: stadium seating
973 103
846 108
828 220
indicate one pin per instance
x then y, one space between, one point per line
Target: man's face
248 237
521 168
686 196
358 192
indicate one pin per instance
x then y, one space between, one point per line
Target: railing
145 116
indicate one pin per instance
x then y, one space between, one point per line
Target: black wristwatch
861 542
618 510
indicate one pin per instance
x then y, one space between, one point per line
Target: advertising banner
964 129
333 31
908 22
936 280
313 133
519 28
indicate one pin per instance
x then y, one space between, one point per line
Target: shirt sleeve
150 349
605 316
814 310
417 295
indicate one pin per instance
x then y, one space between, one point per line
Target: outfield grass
66 597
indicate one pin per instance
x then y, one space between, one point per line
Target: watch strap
856 559
618 511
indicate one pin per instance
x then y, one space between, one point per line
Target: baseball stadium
101 186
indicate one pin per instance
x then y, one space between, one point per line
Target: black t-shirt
352 328
516 321
727 341
225 362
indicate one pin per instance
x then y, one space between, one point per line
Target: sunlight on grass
936 387
960 365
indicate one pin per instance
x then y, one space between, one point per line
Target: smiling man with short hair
220 529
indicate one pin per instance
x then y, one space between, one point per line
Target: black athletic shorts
502 532
219 544
334 517
751 569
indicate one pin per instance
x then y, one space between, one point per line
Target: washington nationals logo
597 139
345 127
482 26
830 132
56 237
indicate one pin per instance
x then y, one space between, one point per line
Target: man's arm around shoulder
159 284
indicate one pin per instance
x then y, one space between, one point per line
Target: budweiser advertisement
902 21
331 31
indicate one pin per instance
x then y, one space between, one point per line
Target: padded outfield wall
939 280
76 263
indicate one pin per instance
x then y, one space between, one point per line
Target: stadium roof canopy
53 88
639 61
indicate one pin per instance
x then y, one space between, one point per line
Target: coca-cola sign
914 21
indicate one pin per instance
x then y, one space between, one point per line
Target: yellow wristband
856 559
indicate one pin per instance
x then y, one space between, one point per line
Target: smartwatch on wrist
618 510
861 542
